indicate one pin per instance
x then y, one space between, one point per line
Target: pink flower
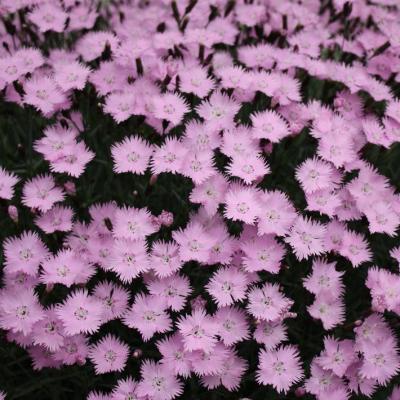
174 355
280 368
24 254
218 111
43 94
109 354
131 155
270 334
269 125
314 174
337 355
228 285
232 325
58 218
41 192
198 330
164 258
7 182
268 303
49 17
276 215
80 313
48 331
173 289
231 374
158 382
71 76
19 310
125 389
114 299
132 223
263 254
381 362
248 168
196 80
129 259
148 316
329 309
66 268
170 107
241 204
194 243
324 278
169 157
306 237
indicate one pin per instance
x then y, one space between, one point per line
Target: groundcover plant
199 199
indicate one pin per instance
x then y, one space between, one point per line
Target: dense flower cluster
214 88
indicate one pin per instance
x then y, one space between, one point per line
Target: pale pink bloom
148 316
277 213
43 94
19 310
169 157
198 166
270 334
227 286
231 374
201 137
126 389
355 248
24 253
198 330
241 204
109 354
314 174
66 268
210 193
306 238
74 350
41 192
269 125
121 105
71 76
164 258
337 355
174 355
49 17
58 218
129 258
263 254
171 107
194 243
280 368
232 325
268 303
329 309
209 362
381 362
173 289
196 80
158 382
218 111
114 299
324 278
131 155
7 182
80 313
132 223
249 169
48 331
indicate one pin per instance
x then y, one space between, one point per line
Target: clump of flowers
202 198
